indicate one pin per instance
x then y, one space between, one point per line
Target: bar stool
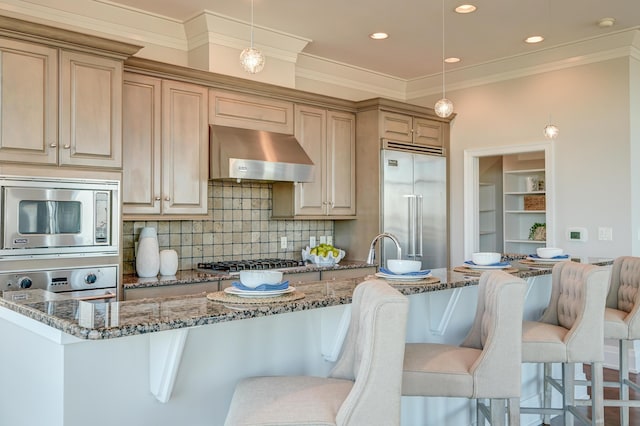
487 363
570 331
622 323
362 389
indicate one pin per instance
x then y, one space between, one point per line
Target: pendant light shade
444 107
551 131
251 59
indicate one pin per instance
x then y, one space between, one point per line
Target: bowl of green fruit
323 255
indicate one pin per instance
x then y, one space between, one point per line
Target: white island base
187 376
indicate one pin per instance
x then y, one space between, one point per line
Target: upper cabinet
411 129
250 112
328 137
60 104
166 148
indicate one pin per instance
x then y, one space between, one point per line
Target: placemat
477 272
538 264
428 280
221 296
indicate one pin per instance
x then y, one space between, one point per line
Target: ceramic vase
168 262
148 255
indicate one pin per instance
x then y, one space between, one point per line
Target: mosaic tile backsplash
241 228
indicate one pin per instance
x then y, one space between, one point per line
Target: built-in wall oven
60 235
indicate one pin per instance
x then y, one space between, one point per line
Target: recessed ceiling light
379 36
534 39
452 60
465 8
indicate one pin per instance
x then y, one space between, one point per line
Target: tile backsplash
240 228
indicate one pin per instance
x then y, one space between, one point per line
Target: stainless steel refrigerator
414 207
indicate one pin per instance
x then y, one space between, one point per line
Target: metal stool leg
623 376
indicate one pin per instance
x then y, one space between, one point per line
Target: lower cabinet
345 274
170 290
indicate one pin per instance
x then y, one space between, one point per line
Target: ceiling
339 29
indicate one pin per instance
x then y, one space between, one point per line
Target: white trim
471 181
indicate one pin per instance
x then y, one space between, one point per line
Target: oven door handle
98 297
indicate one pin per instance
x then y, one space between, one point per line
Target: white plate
545 260
401 277
258 293
472 266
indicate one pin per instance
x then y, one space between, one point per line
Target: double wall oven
60 235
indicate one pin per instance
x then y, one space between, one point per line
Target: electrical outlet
312 242
323 239
605 234
330 240
283 242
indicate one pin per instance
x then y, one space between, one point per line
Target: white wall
590 105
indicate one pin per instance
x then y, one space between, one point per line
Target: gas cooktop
240 265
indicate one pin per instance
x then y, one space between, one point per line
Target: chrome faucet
372 247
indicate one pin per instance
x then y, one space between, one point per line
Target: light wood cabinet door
340 164
250 112
427 132
398 127
141 145
311 132
185 148
28 103
90 110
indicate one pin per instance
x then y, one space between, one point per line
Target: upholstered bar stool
570 331
487 363
622 323
362 389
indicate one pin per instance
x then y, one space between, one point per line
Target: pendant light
551 131
444 107
251 59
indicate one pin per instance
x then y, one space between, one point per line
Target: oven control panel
62 280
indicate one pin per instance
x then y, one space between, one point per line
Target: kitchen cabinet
344 274
410 129
170 290
519 215
328 137
166 146
60 107
250 112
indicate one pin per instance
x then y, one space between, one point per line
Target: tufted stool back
623 293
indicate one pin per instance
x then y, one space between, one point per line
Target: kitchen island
176 360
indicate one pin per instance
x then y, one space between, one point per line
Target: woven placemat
221 296
470 271
428 280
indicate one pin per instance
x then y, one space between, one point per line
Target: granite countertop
95 321
197 276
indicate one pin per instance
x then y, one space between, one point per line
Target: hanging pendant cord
252 24
443 92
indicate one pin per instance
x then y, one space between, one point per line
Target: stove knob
91 278
24 282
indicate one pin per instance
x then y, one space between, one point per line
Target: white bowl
486 258
400 266
253 278
548 252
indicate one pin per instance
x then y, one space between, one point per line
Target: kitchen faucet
372 247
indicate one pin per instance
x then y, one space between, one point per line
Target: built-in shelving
518 217
487 216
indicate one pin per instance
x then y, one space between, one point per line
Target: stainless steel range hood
257 155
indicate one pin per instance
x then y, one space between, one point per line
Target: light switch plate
283 242
330 240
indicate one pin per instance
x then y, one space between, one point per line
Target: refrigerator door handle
412 223
419 201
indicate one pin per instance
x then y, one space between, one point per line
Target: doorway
477 210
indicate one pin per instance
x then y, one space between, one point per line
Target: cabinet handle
67 146
157 198
167 198
53 145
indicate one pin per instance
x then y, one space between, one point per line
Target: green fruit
335 252
314 251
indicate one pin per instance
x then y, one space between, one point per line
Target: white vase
168 262
148 255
